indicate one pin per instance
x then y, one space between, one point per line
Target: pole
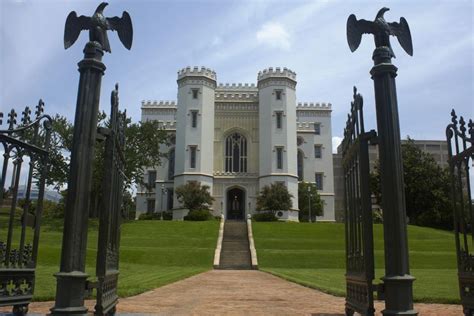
397 280
162 193
71 279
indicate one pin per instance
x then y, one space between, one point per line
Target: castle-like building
237 138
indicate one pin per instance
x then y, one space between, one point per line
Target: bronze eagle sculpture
98 25
381 30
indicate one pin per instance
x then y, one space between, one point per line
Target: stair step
235 253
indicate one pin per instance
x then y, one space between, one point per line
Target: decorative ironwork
25 146
461 156
111 210
358 212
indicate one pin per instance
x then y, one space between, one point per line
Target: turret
195 126
277 121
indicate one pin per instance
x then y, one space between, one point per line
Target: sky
237 39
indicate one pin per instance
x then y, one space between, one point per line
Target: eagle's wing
124 28
74 26
402 32
355 29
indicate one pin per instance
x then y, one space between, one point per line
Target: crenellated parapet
276 73
236 96
158 104
237 86
313 106
197 72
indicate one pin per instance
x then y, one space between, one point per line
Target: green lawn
314 255
152 254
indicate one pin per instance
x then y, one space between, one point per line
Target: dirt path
228 292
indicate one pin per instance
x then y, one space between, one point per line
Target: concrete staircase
235 253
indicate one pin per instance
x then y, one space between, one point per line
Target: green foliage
155 216
427 188
306 189
194 196
264 217
274 197
198 215
314 255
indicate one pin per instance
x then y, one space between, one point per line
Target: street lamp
309 202
163 192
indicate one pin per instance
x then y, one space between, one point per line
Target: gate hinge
90 286
380 289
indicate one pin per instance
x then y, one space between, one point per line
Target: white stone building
237 138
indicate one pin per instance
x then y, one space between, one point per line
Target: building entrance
235 204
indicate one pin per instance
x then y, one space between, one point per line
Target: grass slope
314 255
152 254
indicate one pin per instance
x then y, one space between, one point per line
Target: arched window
300 165
171 164
236 153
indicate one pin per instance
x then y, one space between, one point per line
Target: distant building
49 195
438 149
238 138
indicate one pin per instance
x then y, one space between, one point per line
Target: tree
194 196
427 188
274 197
141 151
306 189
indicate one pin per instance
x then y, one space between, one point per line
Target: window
278 94
170 198
279 153
151 178
318 179
300 165
318 151
150 206
194 118
317 128
279 116
236 153
192 158
195 93
171 164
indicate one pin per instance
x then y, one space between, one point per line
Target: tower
277 129
195 127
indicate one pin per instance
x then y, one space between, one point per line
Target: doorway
235 204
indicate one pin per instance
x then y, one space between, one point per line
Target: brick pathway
230 292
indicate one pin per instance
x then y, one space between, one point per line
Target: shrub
149 216
264 217
198 215
274 197
194 196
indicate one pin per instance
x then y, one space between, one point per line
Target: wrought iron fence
358 212
25 160
460 140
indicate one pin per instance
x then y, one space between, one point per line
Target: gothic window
236 153
318 151
194 118
317 128
278 94
192 156
279 121
279 157
150 206
195 93
171 164
318 178
151 178
300 165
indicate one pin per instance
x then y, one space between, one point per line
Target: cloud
336 141
274 35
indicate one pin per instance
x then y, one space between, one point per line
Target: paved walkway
230 292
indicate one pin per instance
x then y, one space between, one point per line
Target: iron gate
25 148
111 210
358 212
461 155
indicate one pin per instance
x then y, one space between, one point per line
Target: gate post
71 279
398 283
